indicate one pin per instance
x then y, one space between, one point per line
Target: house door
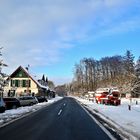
11 93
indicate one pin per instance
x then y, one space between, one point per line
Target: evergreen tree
129 62
129 72
43 78
136 84
137 68
46 80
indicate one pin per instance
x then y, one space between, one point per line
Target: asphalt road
63 120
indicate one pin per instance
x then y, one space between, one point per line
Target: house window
24 83
12 83
17 83
28 83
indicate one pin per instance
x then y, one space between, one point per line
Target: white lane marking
60 112
97 122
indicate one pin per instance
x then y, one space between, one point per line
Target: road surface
63 120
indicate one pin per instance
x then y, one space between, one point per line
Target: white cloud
32 31
129 25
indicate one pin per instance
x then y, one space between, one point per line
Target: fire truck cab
108 96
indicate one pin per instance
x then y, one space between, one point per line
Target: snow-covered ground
9 115
123 117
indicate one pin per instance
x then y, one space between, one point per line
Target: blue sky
52 35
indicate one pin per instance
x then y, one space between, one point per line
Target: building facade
20 82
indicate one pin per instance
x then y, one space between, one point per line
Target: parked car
11 102
2 105
41 99
27 100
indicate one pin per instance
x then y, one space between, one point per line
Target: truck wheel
106 102
102 101
117 104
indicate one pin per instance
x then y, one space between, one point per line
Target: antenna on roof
27 68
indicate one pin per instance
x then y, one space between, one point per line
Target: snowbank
120 115
9 115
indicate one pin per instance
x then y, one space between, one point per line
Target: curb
97 122
119 129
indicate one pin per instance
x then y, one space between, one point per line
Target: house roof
32 77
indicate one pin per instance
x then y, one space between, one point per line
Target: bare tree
108 71
2 75
136 81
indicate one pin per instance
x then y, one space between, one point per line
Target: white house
20 82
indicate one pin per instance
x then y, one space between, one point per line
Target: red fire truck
108 96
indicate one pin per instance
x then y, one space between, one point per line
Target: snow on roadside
9 115
129 120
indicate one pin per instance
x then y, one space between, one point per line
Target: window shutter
11 83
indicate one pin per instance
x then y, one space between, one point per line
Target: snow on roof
99 90
91 92
34 79
102 90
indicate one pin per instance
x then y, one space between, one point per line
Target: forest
118 71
